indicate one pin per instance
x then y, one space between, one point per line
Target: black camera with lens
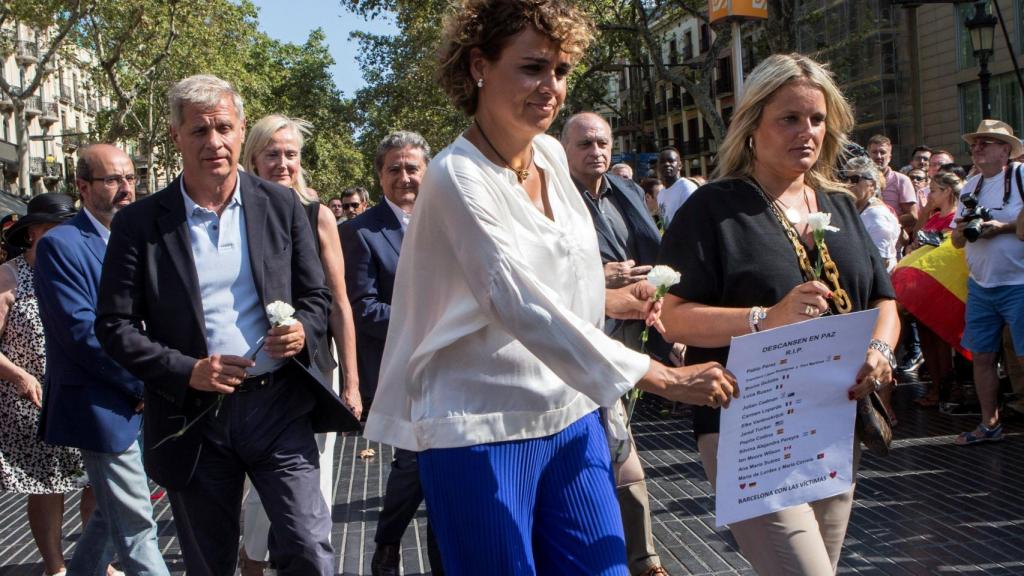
973 216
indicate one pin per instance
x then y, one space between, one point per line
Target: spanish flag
931 283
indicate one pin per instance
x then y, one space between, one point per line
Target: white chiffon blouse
496 315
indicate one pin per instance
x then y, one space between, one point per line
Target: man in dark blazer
91 402
183 305
371 243
628 241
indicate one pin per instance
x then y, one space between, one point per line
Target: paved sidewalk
929 508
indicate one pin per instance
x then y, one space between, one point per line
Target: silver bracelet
754 318
886 351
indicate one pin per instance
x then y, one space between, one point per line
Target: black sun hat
48 208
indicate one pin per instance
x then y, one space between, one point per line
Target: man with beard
91 402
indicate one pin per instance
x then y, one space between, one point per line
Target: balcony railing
65 92
53 170
5 102
92 105
80 99
26 52
36 166
33 105
50 113
73 142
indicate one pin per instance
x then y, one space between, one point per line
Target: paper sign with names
788 438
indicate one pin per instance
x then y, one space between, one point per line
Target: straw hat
996 130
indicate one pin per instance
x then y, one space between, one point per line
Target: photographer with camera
986 224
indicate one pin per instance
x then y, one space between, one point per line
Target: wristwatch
886 351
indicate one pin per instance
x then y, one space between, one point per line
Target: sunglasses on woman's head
856 178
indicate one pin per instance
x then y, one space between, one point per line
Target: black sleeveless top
325 360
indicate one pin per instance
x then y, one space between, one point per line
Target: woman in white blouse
866 182
495 362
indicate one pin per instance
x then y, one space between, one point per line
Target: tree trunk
21 131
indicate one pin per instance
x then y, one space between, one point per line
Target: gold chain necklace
839 296
522 174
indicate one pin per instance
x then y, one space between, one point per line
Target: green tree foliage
145 46
401 91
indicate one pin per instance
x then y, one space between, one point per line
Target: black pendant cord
521 175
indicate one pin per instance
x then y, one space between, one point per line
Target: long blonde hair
736 158
259 137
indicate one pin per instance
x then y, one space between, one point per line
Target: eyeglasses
115 180
981 143
919 178
856 178
349 205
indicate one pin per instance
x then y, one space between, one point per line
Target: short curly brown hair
489 24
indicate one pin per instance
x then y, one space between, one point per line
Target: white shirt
672 198
997 261
884 230
402 215
102 230
497 311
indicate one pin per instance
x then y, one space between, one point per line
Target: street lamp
982 27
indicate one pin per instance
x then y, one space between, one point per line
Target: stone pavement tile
928 508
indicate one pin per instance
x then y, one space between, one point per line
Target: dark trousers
265 434
402 497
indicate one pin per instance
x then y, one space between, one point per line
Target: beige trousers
631 490
804 540
256 524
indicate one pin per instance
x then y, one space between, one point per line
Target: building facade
907 69
60 114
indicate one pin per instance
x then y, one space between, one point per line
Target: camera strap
1020 184
1015 169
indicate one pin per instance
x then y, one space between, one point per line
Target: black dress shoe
385 560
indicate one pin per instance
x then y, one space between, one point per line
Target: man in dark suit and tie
183 306
628 240
91 402
371 243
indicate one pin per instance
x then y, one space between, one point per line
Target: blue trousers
527 507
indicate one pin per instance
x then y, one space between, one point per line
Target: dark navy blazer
371 243
150 316
644 231
90 400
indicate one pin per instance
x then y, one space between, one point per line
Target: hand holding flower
285 340
662 278
820 222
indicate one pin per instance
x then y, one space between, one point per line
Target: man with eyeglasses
91 402
354 201
995 258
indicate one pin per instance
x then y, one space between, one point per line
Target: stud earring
750 143
480 83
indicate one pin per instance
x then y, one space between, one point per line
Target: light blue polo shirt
236 321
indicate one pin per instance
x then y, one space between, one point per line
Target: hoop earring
480 83
750 143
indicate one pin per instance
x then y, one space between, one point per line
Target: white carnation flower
280 313
663 277
820 222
